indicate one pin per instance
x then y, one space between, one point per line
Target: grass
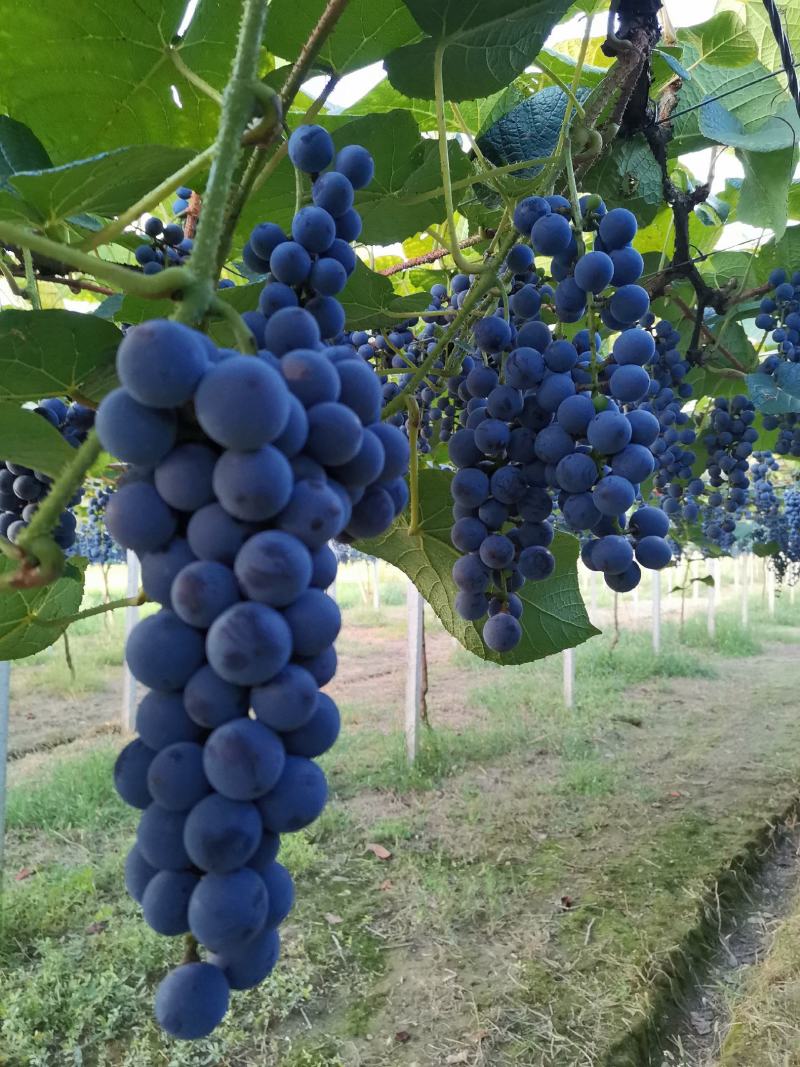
764 1028
545 862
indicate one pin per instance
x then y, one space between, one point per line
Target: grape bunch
93 540
23 489
549 423
309 268
243 468
168 247
780 315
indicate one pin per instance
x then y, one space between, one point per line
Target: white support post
745 590
131 618
5 699
771 583
593 580
568 656
376 592
656 611
636 602
416 621
711 603
696 586
718 585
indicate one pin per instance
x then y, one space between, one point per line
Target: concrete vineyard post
568 656
656 608
131 618
416 621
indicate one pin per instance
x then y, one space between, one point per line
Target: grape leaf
20 148
368 297
88 78
365 31
554 617
56 353
779 130
32 441
476 113
485 46
629 176
528 131
778 394
722 41
106 184
27 616
764 198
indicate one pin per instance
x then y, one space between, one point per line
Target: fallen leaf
567 902
23 873
402 1036
97 927
675 794
458 1057
379 851
334 920
386 885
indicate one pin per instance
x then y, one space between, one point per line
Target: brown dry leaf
334 920
402 1036
567 902
23 873
97 927
379 851
386 885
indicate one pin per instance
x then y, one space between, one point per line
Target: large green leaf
106 184
554 617
778 394
722 41
713 379
779 130
528 131
20 148
88 78
757 21
764 199
629 176
367 30
27 617
751 100
30 440
485 46
56 353
476 113
368 297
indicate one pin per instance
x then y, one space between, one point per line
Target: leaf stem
195 79
70 479
237 106
31 285
149 201
99 609
444 163
244 338
128 280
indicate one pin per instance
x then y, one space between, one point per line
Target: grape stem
444 163
31 285
237 108
149 201
130 281
65 486
327 21
430 257
481 286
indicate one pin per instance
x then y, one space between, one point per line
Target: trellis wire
785 49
